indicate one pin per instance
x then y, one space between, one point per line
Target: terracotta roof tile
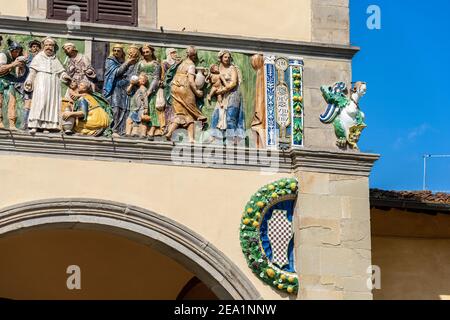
417 196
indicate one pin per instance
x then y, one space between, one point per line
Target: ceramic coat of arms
344 113
267 234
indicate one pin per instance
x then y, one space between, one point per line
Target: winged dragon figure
344 113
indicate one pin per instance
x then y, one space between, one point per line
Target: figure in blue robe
228 119
118 73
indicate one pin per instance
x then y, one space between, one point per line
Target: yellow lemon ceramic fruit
260 204
270 273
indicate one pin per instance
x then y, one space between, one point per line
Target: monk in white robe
46 72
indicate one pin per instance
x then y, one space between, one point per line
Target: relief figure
183 94
44 80
228 120
118 72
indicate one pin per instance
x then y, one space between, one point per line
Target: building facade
410 244
281 213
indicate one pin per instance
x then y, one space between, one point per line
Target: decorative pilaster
269 73
296 76
333 242
284 102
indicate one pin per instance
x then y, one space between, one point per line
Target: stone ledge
102 32
346 163
165 153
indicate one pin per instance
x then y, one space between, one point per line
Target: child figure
72 92
217 82
138 107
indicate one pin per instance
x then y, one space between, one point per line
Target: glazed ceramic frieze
141 91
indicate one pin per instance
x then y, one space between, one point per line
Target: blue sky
407 66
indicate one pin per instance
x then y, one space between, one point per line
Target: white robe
45 75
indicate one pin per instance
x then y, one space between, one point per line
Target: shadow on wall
143 229
413 253
35 263
196 290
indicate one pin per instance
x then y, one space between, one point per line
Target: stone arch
170 238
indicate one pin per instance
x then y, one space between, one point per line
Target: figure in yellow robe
90 113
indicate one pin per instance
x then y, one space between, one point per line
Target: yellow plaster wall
412 268
208 201
252 18
413 252
14 8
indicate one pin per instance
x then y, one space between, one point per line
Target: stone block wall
320 72
333 244
147 14
37 8
330 21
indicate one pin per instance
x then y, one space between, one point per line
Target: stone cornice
338 162
203 156
175 38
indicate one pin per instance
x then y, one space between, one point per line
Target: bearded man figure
46 72
118 72
79 66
